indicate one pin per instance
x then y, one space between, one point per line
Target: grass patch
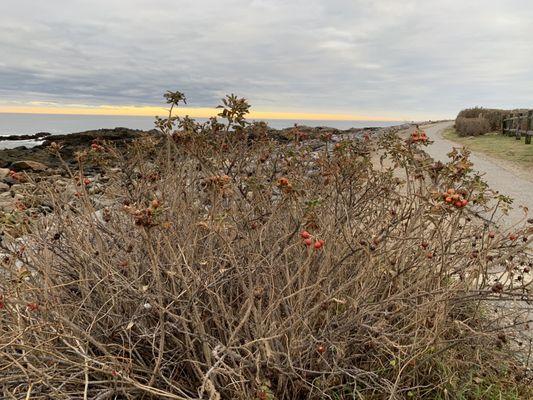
496 145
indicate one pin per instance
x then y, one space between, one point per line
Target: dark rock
119 135
36 136
28 165
71 144
316 144
10 181
4 172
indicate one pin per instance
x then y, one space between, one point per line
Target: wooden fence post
528 128
507 123
503 124
518 127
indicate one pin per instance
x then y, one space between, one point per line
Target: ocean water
28 124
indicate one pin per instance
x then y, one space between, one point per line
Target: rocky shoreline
71 143
36 136
22 166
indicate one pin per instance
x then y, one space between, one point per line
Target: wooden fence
518 125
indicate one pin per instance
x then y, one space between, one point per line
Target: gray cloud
410 57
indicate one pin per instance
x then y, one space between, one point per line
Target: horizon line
194 112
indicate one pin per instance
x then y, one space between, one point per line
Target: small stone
27 165
10 181
4 187
96 189
8 196
61 182
6 206
21 187
4 172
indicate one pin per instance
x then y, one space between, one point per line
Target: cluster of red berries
97 147
424 245
419 136
144 217
298 135
308 240
15 175
218 180
285 185
454 198
151 177
513 237
301 136
86 181
326 137
20 206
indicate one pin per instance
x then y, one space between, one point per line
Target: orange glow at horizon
195 112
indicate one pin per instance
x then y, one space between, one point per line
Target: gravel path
508 182
497 176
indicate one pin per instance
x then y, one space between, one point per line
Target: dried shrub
231 268
492 115
472 126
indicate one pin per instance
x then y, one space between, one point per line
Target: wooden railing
518 125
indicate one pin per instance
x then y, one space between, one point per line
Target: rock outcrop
70 143
28 165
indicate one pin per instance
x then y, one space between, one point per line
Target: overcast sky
409 58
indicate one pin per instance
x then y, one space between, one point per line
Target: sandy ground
499 175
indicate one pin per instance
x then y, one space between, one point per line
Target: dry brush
204 279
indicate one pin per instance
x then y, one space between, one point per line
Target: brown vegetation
234 267
491 115
478 120
472 126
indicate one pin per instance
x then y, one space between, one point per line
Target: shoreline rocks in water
71 144
21 165
36 136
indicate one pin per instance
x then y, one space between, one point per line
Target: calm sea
27 124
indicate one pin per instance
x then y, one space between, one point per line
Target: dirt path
499 176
